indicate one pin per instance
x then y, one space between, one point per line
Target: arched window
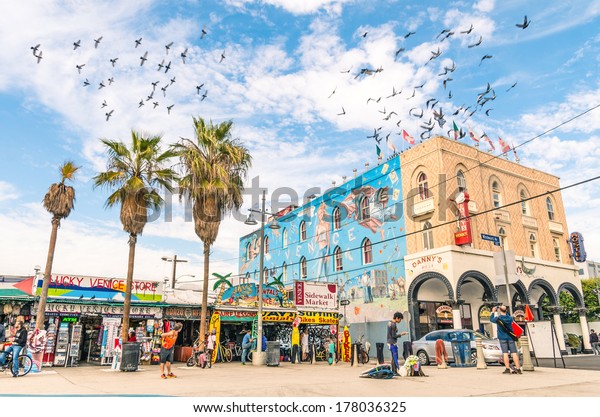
423 187
524 204
266 244
427 236
365 210
550 208
367 252
496 194
248 252
284 238
337 256
337 219
302 231
303 270
284 278
460 179
556 249
503 239
533 245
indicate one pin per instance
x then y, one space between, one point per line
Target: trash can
273 353
379 347
461 350
130 356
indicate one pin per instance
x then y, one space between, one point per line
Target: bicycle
200 357
224 352
362 350
25 364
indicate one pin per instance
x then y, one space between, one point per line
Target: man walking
167 351
594 342
507 344
392 339
246 345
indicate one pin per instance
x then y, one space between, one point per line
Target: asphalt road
588 362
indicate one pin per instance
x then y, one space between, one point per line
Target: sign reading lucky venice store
78 286
317 295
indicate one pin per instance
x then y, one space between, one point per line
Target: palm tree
222 282
214 168
59 200
135 174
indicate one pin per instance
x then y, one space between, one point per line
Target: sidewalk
302 380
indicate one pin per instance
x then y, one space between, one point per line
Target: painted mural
352 235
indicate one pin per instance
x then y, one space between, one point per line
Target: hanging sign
577 248
463 236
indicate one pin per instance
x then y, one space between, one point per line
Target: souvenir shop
189 317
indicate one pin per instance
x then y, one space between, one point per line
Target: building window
303 271
427 236
337 256
284 278
337 219
550 208
533 245
524 204
423 187
496 194
367 252
266 244
302 231
284 238
246 279
503 239
556 249
265 276
460 179
365 212
248 259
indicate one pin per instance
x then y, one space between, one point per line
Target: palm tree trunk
128 285
41 311
203 312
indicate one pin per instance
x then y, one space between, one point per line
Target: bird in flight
442 32
35 48
168 46
409 34
172 81
138 42
204 32
104 104
169 108
394 92
222 56
161 65
164 90
150 96
204 95
398 51
141 103
184 55
113 61
167 67
346 72
143 58
154 84
445 81
468 31
343 112
476 43
97 41
512 86
364 35
79 68
332 93
155 104
101 85
76 44
198 88
86 83
487 112
485 57
111 80
524 24
109 114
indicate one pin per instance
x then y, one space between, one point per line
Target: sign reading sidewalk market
85 287
322 296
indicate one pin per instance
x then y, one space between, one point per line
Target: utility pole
174 260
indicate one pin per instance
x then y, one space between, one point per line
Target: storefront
189 317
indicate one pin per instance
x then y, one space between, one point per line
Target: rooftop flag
472 135
488 140
456 132
503 145
391 145
408 137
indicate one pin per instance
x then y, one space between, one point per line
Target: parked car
424 348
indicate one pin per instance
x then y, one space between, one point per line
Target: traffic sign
344 302
491 238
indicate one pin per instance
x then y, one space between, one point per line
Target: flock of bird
432 115
163 67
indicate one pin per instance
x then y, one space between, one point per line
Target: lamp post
258 357
174 260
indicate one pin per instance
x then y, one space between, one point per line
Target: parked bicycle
25 364
199 357
362 350
224 352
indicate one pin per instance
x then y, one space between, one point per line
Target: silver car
424 348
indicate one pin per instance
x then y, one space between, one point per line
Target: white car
424 348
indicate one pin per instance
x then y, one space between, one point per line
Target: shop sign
246 295
463 235
444 314
346 344
485 313
577 248
318 317
280 316
233 315
64 309
319 295
186 313
519 315
84 287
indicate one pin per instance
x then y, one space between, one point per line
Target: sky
312 87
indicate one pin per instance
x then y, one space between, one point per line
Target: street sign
491 238
344 302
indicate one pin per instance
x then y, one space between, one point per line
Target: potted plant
574 342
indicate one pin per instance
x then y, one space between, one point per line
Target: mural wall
353 235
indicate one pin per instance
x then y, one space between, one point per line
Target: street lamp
258 357
174 260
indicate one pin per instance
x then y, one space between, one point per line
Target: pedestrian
295 344
18 343
211 341
392 339
594 342
331 351
2 333
132 337
246 345
507 343
304 343
167 350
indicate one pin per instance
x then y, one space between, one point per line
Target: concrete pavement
302 380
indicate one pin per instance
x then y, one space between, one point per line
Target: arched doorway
429 297
479 294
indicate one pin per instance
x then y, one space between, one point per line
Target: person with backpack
507 339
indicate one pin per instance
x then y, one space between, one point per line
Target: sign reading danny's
315 295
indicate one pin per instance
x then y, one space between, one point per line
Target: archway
439 292
475 294
538 290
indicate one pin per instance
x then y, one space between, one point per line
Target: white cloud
8 191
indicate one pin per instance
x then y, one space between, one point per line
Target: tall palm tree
59 200
135 174
214 168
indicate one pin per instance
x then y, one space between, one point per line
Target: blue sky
283 60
